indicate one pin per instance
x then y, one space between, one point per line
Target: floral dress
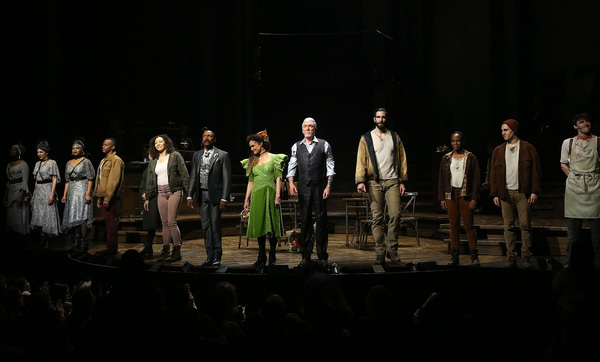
43 215
76 210
17 217
264 215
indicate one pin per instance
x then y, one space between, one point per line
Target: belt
44 181
15 180
78 178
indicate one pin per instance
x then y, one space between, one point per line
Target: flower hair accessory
264 135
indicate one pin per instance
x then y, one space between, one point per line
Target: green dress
264 216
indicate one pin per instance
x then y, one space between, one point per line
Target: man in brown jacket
515 181
109 186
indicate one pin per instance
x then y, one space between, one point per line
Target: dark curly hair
253 159
169 146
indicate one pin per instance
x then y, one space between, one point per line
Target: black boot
454 260
76 244
175 255
262 253
84 245
147 252
166 251
273 246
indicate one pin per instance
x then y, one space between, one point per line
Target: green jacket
178 175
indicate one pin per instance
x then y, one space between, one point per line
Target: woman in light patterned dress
78 213
44 211
16 198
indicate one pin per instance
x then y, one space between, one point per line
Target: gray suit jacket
219 176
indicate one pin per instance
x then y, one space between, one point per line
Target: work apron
582 189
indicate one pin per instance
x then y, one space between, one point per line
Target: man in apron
580 161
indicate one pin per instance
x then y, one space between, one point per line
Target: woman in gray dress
78 213
44 211
16 198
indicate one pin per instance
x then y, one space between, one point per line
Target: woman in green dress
264 170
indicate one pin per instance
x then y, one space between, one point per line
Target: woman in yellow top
264 170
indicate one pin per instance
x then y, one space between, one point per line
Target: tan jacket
365 159
109 178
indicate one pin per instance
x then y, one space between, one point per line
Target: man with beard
381 169
580 161
210 180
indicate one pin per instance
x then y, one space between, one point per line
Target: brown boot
511 262
527 262
393 256
454 259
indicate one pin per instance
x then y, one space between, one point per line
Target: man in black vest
312 165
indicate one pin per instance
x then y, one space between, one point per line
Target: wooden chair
407 213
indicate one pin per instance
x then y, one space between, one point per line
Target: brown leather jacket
530 171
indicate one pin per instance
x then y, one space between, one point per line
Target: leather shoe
207 262
216 262
379 260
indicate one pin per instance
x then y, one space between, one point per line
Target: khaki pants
514 206
382 193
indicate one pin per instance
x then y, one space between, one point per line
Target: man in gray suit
210 182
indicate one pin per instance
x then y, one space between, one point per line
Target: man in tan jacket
381 166
109 186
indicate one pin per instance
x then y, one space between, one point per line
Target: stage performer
166 180
210 184
381 164
108 191
151 219
580 161
78 214
459 182
16 198
44 211
263 195
515 181
313 166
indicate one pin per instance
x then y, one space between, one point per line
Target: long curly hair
259 138
169 146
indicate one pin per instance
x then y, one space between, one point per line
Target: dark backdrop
131 70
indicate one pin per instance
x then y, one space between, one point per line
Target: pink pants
168 208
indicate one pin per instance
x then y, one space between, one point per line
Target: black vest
311 166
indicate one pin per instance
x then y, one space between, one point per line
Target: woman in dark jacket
458 188
167 178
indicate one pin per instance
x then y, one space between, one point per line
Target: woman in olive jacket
458 189
167 178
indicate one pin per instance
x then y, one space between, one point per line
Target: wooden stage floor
350 257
